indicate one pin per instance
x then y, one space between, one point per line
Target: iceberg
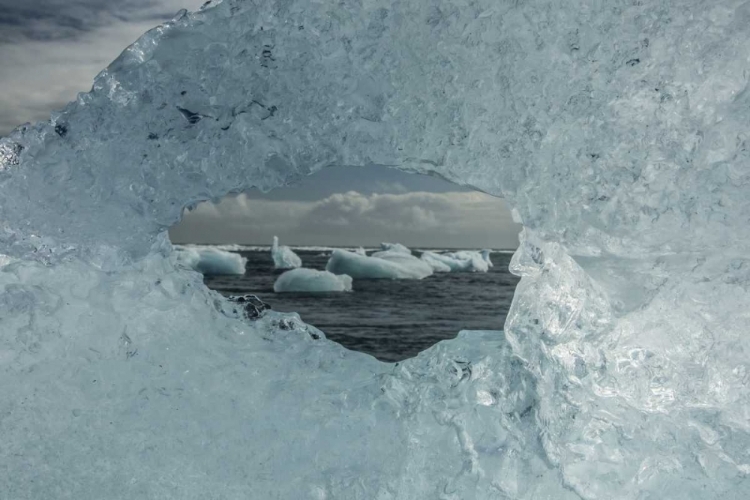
283 256
380 265
394 247
360 251
311 280
463 261
210 260
486 256
436 262
618 132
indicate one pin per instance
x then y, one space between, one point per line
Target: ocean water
389 319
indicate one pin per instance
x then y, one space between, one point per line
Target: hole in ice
399 304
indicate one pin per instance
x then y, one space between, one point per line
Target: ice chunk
486 256
360 251
480 261
381 265
395 247
311 280
435 263
283 256
211 260
463 261
398 256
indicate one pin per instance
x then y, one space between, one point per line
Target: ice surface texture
619 132
283 256
211 261
311 280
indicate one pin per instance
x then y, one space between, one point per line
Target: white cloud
454 219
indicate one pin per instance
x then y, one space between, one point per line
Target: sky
52 49
353 206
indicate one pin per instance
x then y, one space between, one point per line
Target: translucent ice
210 260
618 131
283 256
311 280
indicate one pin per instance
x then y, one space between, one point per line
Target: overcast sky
348 206
52 49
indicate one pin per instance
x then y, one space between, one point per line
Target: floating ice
463 261
211 260
381 265
619 133
394 247
435 262
360 251
283 256
311 280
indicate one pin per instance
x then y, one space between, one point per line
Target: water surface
389 319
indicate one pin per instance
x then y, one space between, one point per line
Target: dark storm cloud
47 20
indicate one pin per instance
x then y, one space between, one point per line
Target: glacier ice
617 131
380 265
461 261
283 256
395 247
436 263
312 280
210 260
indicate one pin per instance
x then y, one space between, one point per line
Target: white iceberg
395 247
360 251
283 256
435 262
473 254
312 280
462 261
210 260
381 265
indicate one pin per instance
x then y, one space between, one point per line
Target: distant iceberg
462 261
435 262
283 256
211 260
396 247
311 280
381 265
473 254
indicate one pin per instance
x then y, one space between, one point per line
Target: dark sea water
389 319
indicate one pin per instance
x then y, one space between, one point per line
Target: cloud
421 219
48 20
50 50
